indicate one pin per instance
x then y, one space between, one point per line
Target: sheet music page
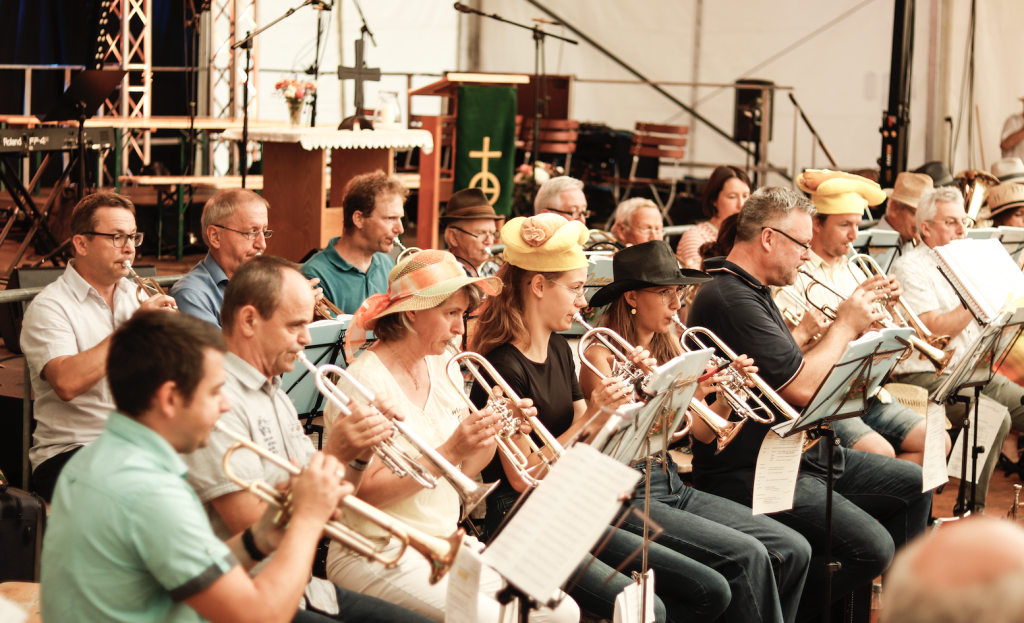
629 602
990 416
778 463
984 267
11 612
560 522
463 588
933 473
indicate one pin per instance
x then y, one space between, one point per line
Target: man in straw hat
887 427
355 265
902 206
470 227
1012 144
878 504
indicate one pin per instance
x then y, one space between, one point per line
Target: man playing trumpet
127 539
886 428
267 305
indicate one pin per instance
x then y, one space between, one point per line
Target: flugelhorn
794 318
936 356
405 251
325 308
738 380
148 287
394 456
440 553
510 422
974 185
629 372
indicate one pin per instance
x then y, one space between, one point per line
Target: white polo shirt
68 317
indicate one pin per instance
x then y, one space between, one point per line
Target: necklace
402 361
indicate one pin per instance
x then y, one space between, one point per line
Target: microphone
461 7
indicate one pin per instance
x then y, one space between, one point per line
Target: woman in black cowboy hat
765 562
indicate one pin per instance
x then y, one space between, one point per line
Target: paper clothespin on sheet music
933 473
990 417
463 588
778 465
630 602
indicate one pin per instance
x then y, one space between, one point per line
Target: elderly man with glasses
235 230
941 219
636 221
564 196
66 334
470 227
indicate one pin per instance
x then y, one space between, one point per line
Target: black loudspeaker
746 124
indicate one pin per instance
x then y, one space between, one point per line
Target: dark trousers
44 477
357 608
877 507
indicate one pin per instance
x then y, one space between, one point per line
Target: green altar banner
485 143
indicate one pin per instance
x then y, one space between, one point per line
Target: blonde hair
663 346
501 317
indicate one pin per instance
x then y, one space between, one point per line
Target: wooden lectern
436 183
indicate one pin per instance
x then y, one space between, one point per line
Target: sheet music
933 473
990 417
778 464
629 602
986 271
1012 239
11 612
560 522
463 588
842 384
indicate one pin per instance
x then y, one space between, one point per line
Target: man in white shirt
66 334
636 221
1012 138
562 195
941 220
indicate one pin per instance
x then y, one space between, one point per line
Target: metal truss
131 48
229 23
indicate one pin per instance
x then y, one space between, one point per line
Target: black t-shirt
740 311
551 385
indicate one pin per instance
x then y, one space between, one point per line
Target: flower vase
294 113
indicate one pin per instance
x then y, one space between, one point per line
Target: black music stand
857 375
83 97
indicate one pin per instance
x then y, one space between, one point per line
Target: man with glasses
66 334
470 228
941 219
636 221
356 264
564 196
878 505
235 230
887 427
901 210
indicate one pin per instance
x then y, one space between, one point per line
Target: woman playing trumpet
544 274
720 533
422 311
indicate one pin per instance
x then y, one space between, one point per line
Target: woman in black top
544 275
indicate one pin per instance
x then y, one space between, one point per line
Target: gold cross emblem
487 181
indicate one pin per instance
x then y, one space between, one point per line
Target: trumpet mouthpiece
127 264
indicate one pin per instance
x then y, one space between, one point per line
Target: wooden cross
360 74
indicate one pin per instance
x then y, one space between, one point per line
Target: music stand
881 244
86 93
327 346
843 394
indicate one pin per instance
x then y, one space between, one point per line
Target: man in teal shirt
127 538
355 265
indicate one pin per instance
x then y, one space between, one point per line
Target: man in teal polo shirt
355 265
127 538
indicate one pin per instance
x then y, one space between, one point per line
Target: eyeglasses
250 235
487 235
572 216
120 240
646 231
668 295
580 292
952 222
802 245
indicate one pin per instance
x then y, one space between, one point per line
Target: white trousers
407 585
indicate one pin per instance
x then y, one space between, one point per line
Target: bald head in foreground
970 570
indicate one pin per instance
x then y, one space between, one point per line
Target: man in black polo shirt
878 504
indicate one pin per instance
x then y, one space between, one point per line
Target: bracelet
360 466
249 542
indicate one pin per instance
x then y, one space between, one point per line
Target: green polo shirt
127 539
345 285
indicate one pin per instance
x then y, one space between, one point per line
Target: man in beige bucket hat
901 209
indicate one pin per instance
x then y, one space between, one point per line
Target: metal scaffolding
229 22
131 48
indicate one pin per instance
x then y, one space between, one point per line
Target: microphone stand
314 69
247 44
538 73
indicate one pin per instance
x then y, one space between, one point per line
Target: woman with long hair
765 562
414 323
724 194
544 274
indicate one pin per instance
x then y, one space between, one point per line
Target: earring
632 310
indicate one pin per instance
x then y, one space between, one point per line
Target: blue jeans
685 590
764 562
892 421
356 608
877 507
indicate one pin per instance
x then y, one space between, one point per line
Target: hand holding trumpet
355 436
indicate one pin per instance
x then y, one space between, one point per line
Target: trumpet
325 308
147 285
1012 515
736 385
629 372
440 553
405 251
510 421
974 185
936 356
394 456
792 317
